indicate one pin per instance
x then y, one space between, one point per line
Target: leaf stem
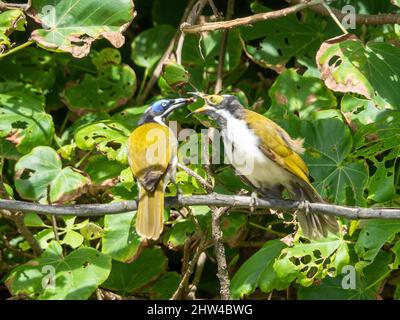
15 49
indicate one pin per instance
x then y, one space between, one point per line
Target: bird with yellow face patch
266 157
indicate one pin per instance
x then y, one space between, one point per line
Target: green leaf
374 234
294 93
23 121
30 65
43 237
258 271
108 137
311 261
175 75
39 175
372 70
207 59
10 20
381 186
100 169
72 26
367 284
73 239
112 87
283 38
148 47
395 2
129 117
126 278
176 236
33 220
232 224
120 239
54 277
164 287
328 144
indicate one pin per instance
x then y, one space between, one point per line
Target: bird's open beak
202 109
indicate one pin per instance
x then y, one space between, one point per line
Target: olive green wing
277 145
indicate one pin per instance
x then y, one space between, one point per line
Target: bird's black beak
179 102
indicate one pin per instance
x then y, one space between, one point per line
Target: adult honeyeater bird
153 158
265 156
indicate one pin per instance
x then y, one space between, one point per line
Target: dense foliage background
69 98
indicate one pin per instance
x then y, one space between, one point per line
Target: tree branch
213 199
222 274
376 19
248 20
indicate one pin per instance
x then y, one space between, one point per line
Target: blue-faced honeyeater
266 157
152 157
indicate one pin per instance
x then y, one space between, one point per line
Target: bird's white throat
241 148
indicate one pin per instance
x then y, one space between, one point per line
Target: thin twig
218 25
27 234
197 8
185 279
213 199
22 6
334 18
207 186
158 69
222 50
197 275
219 248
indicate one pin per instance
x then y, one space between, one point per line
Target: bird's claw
253 201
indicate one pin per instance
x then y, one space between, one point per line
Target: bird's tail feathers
314 225
150 212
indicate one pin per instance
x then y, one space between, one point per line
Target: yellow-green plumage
152 147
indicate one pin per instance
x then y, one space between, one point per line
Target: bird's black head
220 107
159 110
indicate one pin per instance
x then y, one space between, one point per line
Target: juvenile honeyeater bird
265 156
152 157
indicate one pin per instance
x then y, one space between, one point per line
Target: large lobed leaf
76 276
23 120
372 70
39 176
72 25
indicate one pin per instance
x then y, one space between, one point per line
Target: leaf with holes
39 176
293 93
286 37
23 120
381 185
108 137
72 26
54 277
120 239
10 20
31 65
374 234
346 65
351 285
328 144
112 87
258 271
307 262
126 278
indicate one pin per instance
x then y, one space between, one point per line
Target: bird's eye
164 104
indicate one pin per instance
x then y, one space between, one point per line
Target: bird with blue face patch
152 154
